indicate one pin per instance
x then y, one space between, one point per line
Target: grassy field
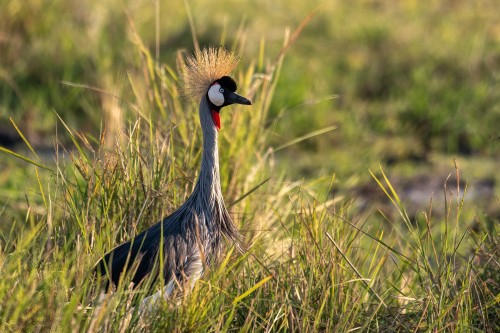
363 177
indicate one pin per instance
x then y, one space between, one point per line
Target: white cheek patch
215 96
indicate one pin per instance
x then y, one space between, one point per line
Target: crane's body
192 236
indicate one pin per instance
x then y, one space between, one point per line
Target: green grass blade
26 159
252 289
249 192
24 138
305 137
362 279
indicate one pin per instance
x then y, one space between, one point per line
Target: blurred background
409 85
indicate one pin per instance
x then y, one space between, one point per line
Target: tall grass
314 262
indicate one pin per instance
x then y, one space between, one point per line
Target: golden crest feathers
199 71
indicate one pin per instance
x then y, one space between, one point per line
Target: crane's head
221 93
205 74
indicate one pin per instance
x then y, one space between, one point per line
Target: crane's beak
234 98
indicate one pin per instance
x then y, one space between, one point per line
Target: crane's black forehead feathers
227 82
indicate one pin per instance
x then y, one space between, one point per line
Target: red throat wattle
216 119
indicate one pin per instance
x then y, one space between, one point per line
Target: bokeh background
409 85
96 145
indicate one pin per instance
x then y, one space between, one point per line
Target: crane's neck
207 197
209 178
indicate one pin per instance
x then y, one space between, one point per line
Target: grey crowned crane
192 237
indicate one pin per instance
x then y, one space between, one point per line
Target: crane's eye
216 95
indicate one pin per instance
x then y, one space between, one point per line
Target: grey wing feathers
140 256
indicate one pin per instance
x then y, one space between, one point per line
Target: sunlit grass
314 262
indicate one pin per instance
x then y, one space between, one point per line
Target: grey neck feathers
208 187
206 201
209 178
